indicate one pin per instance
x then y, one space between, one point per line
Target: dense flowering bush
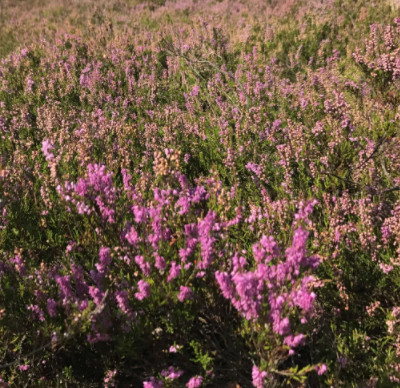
189 200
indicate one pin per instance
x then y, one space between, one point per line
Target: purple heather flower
139 213
248 288
47 146
144 265
205 228
174 348
144 290
171 373
185 293
174 271
64 284
37 312
132 236
195 382
152 383
160 263
258 377
321 369
104 260
281 326
51 307
294 341
96 294
195 91
122 301
239 262
225 283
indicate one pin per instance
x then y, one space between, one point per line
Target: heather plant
200 194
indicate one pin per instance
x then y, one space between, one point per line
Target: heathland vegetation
199 193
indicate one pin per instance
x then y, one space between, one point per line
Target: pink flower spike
195 382
47 146
185 293
144 290
258 377
321 369
152 383
174 348
171 373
